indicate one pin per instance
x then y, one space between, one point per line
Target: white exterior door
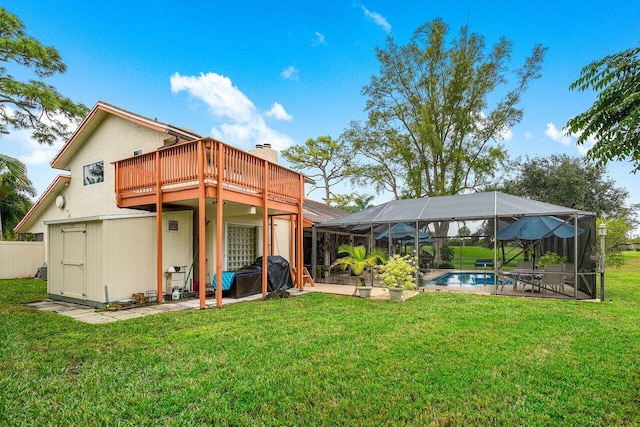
73 262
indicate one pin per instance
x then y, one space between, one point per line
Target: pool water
463 279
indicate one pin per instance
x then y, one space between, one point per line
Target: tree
548 179
351 203
431 130
614 118
433 101
32 104
617 237
324 158
15 188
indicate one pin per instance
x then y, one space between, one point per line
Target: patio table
528 276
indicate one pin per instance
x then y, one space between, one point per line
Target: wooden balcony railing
179 166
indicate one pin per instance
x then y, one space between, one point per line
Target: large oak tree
437 111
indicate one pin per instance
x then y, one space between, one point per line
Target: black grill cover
278 273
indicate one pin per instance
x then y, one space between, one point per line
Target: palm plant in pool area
358 259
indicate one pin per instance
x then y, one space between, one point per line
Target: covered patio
489 212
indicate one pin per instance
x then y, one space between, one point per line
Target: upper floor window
93 173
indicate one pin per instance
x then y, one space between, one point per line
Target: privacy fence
20 259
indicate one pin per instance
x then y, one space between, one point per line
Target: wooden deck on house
176 173
195 171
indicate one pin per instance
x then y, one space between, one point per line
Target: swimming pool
463 279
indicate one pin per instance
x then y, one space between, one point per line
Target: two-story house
140 197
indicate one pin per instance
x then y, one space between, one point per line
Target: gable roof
451 208
99 112
316 212
43 202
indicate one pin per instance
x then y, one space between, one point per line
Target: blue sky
285 71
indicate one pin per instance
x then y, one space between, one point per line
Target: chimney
264 151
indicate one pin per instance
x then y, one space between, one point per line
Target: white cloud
319 39
277 112
218 93
567 139
31 152
586 146
377 18
250 134
557 135
245 125
290 73
528 135
505 134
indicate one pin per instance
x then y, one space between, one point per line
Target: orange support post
299 234
159 270
292 242
265 220
219 225
202 247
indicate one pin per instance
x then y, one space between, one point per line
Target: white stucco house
137 197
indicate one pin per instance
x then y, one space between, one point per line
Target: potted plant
358 259
398 274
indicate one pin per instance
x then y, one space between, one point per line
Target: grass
466 256
439 358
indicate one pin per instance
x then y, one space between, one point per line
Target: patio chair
553 277
503 278
525 265
569 276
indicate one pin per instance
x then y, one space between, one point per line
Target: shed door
73 260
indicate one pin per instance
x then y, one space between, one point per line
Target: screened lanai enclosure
491 241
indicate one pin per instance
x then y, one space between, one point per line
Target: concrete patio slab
90 315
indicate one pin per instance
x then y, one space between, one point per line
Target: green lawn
439 358
466 256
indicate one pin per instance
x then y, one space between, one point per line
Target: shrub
446 265
551 258
447 253
398 272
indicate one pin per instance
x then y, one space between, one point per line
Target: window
137 152
173 225
93 173
241 246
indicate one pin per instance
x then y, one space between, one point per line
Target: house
140 198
